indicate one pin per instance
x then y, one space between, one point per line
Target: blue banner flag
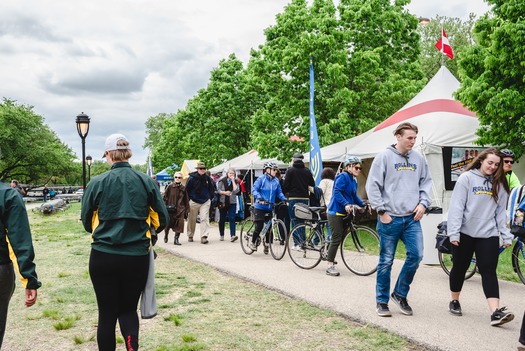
316 163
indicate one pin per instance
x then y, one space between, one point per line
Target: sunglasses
201 168
177 177
509 161
357 168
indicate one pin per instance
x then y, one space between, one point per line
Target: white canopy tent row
247 162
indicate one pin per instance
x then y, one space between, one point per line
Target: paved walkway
354 296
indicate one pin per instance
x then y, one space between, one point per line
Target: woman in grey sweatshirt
476 218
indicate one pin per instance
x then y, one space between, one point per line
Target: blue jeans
409 232
299 236
227 213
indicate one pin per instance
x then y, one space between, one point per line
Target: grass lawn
198 307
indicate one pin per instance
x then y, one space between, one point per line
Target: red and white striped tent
442 121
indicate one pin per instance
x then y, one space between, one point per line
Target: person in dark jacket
178 205
201 189
297 179
228 188
120 208
14 226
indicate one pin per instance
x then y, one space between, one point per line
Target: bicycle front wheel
304 246
445 261
360 250
518 259
246 235
278 239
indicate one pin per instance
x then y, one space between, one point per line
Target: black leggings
487 252
260 217
337 227
118 281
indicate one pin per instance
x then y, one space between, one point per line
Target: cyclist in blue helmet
264 191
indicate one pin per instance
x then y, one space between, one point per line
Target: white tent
247 161
441 120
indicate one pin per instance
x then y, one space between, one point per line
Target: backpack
315 197
516 211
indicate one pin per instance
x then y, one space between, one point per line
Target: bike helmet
270 164
507 153
351 160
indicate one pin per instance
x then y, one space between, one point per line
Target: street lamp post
83 129
89 160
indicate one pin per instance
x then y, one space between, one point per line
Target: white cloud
122 61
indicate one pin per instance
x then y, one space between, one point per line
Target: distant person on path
508 161
265 190
120 208
343 199
200 188
14 226
398 187
476 218
228 188
178 204
46 193
297 179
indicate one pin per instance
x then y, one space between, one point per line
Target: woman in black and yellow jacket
118 208
15 238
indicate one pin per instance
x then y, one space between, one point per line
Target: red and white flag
443 45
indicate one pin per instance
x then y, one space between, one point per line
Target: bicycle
359 247
517 259
277 243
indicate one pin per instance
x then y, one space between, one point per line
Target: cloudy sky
121 62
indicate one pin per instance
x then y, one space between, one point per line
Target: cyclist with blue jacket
344 196
264 191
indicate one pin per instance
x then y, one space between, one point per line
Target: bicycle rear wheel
304 246
360 250
278 239
518 259
445 261
246 235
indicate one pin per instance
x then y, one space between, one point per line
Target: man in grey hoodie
398 187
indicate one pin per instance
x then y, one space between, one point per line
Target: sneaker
297 248
383 310
500 317
455 308
222 238
234 238
190 240
332 271
204 240
265 249
252 246
402 303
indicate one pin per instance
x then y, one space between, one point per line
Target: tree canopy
492 72
31 151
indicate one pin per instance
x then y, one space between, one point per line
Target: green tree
213 126
492 72
459 34
366 67
31 152
154 128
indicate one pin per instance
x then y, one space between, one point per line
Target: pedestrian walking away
120 208
477 217
14 227
398 187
